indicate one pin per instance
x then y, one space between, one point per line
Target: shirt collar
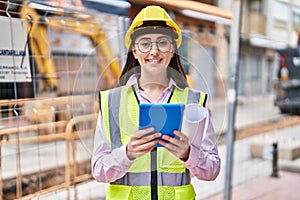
132 81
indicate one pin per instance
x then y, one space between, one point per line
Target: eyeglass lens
164 45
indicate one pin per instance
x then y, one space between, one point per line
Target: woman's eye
163 42
145 44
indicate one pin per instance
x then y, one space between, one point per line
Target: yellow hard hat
156 18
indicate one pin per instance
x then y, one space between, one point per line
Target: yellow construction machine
38 21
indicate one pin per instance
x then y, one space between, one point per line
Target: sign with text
14 57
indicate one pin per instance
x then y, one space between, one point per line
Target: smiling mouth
154 61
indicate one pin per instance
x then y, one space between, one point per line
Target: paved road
286 187
245 167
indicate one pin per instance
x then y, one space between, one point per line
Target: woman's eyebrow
145 38
163 37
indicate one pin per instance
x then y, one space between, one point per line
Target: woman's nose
154 48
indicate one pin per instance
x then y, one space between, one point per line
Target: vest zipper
154 193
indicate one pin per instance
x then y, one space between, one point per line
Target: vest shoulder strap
109 102
189 96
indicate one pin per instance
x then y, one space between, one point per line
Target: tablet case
164 118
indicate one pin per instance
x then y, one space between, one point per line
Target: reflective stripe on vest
163 178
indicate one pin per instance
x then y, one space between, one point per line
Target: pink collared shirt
108 166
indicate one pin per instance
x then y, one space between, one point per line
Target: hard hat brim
154 29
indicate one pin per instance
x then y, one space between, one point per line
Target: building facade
266 26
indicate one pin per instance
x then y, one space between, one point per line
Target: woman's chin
154 68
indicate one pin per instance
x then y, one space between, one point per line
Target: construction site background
62 54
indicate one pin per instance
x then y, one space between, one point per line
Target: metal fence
53 63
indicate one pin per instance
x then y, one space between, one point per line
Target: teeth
154 61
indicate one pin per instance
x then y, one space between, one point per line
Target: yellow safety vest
119 108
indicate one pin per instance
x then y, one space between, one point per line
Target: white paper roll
195 120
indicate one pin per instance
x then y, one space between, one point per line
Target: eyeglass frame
167 39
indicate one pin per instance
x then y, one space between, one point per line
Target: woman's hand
178 147
140 144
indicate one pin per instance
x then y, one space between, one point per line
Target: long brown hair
175 69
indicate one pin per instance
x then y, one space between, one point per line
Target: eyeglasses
163 45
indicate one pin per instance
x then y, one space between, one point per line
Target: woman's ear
174 49
173 52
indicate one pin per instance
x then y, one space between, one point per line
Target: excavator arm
74 22
90 27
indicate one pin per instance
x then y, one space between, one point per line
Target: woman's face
153 51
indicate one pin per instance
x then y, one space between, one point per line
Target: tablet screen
164 118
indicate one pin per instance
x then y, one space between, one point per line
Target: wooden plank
34 139
32 128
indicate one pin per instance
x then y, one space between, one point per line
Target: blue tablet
164 118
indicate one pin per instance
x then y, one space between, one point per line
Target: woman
127 157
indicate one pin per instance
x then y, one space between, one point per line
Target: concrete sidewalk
285 187
248 173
